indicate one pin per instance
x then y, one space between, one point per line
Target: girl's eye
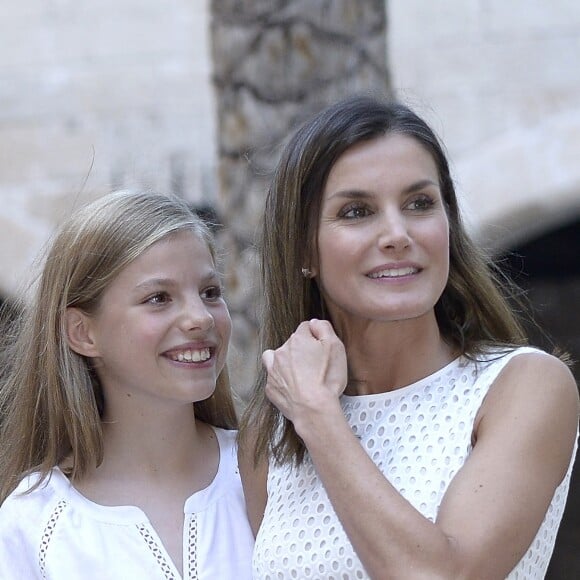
158 298
421 203
212 293
355 212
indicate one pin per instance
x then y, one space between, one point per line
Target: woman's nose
393 233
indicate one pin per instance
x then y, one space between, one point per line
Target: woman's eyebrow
362 194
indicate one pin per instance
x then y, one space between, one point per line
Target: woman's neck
385 357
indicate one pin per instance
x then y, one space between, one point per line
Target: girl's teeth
192 355
393 273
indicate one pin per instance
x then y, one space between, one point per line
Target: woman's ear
79 332
313 265
311 271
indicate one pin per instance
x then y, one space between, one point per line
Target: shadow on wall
548 269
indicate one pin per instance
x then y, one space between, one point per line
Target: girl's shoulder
225 436
228 447
33 500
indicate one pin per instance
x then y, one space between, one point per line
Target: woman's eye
421 203
354 212
158 298
212 293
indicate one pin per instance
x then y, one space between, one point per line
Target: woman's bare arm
494 506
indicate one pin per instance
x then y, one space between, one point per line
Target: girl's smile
161 330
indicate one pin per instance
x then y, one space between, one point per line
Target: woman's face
383 238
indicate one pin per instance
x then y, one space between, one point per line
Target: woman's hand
308 373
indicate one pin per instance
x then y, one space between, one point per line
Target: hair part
472 312
51 401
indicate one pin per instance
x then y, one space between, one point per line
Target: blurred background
195 97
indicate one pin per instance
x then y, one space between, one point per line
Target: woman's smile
383 221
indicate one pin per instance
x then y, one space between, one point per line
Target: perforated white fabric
419 437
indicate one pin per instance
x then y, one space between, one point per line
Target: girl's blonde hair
50 398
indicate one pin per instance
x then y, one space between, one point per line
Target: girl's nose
196 316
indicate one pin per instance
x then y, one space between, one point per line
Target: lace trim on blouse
192 548
156 551
47 535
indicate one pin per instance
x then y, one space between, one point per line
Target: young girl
117 448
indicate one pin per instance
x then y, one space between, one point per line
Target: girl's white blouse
56 533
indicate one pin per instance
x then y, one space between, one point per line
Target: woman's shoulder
530 376
226 481
535 369
489 363
537 391
501 354
538 366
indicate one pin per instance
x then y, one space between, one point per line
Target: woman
117 448
401 427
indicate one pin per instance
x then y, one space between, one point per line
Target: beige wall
500 81
114 93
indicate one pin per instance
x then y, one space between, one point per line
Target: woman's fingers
311 363
321 329
268 359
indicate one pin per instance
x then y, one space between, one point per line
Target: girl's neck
161 442
159 459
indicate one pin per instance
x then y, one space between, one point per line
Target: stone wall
276 62
94 96
500 82
99 96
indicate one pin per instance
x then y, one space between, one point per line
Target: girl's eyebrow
158 282
155 283
362 194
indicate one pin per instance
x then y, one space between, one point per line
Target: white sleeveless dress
419 436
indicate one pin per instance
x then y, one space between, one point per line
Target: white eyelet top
419 436
56 533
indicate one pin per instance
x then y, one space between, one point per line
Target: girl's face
162 328
383 239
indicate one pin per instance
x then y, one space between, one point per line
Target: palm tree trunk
276 62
